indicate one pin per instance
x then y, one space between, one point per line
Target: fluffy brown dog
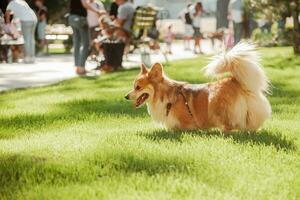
112 32
235 102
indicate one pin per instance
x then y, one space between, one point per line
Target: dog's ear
156 72
144 69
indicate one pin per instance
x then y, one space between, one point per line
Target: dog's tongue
141 100
138 102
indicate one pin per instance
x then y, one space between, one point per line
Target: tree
295 8
280 9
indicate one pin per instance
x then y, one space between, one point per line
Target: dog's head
145 84
104 22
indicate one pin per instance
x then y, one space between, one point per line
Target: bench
59 35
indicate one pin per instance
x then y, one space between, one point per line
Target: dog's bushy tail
243 62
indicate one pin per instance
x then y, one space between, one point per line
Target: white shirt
236 10
237 16
182 14
126 12
92 17
196 19
21 10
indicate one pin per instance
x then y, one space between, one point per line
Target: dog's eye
137 88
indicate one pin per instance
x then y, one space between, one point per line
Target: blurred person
229 37
93 18
125 15
14 38
2 22
169 39
124 20
154 34
3 5
188 26
21 10
42 23
222 14
236 13
79 24
196 15
113 12
111 32
3 48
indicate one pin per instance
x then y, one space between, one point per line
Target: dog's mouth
141 100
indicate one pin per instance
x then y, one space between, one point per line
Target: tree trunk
296 35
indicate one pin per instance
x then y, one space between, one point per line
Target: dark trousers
80 39
113 54
238 32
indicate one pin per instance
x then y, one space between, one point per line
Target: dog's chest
158 112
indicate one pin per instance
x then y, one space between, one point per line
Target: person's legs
15 54
27 38
188 36
41 28
238 31
84 50
76 45
113 54
3 53
185 38
169 47
197 44
80 40
93 33
32 41
197 38
76 38
186 42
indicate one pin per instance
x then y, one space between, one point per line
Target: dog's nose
127 97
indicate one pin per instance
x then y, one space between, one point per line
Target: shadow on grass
67 113
19 172
98 107
151 164
262 137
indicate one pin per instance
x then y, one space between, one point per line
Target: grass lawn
81 140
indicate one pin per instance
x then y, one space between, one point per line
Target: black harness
169 105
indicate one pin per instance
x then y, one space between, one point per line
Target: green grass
57 51
80 140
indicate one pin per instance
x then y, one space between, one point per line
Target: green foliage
274 10
264 39
58 8
276 37
81 140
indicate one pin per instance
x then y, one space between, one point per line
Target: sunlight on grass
80 140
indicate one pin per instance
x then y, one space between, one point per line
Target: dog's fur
235 102
112 32
216 36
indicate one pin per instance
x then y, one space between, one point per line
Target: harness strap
169 105
186 104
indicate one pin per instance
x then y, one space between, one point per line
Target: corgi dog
236 102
